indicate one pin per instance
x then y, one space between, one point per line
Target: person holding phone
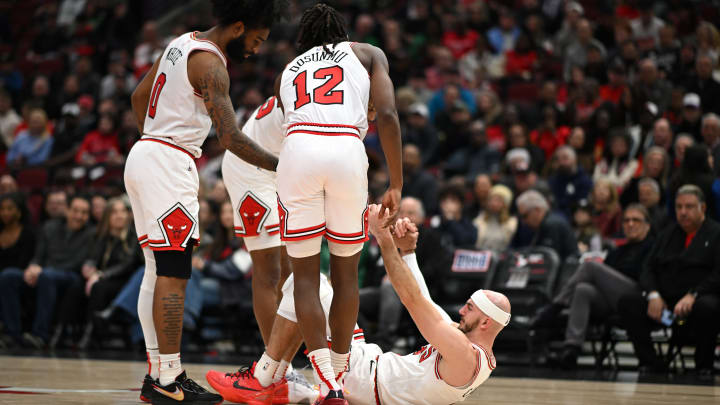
682 276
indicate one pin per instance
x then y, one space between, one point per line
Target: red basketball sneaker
240 386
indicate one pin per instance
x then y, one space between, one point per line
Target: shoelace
298 379
243 372
191 385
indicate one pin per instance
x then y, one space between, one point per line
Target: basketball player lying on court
458 359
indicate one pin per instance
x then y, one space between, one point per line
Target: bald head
498 299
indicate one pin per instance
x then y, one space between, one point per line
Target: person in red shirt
522 60
548 136
101 145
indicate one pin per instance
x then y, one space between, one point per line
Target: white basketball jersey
176 112
415 378
326 93
265 126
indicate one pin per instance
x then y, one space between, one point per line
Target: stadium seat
32 179
470 270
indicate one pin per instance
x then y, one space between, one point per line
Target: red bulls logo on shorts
253 213
177 226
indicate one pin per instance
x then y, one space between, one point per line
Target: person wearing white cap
458 357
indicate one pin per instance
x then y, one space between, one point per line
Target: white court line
32 390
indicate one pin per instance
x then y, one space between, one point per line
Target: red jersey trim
375 386
194 38
169 144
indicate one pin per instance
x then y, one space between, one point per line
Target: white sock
170 368
340 365
265 369
281 371
323 371
153 359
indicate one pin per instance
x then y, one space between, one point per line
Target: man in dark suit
550 229
681 278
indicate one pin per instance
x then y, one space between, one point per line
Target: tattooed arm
208 75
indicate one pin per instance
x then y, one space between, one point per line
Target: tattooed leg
168 307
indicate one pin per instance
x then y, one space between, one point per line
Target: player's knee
304 248
174 263
344 250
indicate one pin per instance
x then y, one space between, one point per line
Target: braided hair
321 25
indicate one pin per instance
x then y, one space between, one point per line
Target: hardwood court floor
35 380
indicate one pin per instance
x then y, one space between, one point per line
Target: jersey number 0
323 94
155 95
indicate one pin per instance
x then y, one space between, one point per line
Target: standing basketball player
458 359
253 192
185 92
322 178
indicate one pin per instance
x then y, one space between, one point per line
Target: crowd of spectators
550 123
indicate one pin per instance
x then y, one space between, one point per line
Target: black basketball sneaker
183 390
147 389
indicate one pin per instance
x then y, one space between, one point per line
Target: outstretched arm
208 75
450 341
383 95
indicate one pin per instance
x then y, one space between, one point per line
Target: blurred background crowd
525 124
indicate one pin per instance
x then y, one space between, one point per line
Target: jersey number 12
155 95
323 94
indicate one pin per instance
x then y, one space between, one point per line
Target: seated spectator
418 182
662 136
98 203
456 229
584 150
518 139
691 114
17 239
607 213
704 84
477 157
550 230
421 132
595 288
8 184
62 247
711 137
101 145
481 193
224 270
570 183
56 205
522 60
680 281
696 170
9 119
68 136
32 146
502 37
587 235
682 142
656 165
649 196
113 259
495 226
618 166
549 135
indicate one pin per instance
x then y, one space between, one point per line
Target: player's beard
467 328
236 49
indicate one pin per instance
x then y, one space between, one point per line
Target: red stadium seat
32 179
522 92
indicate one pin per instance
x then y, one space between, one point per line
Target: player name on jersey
335 56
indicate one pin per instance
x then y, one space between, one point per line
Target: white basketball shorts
162 183
253 193
322 190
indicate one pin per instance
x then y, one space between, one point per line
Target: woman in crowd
17 239
656 165
607 213
495 226
113 258
618 167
